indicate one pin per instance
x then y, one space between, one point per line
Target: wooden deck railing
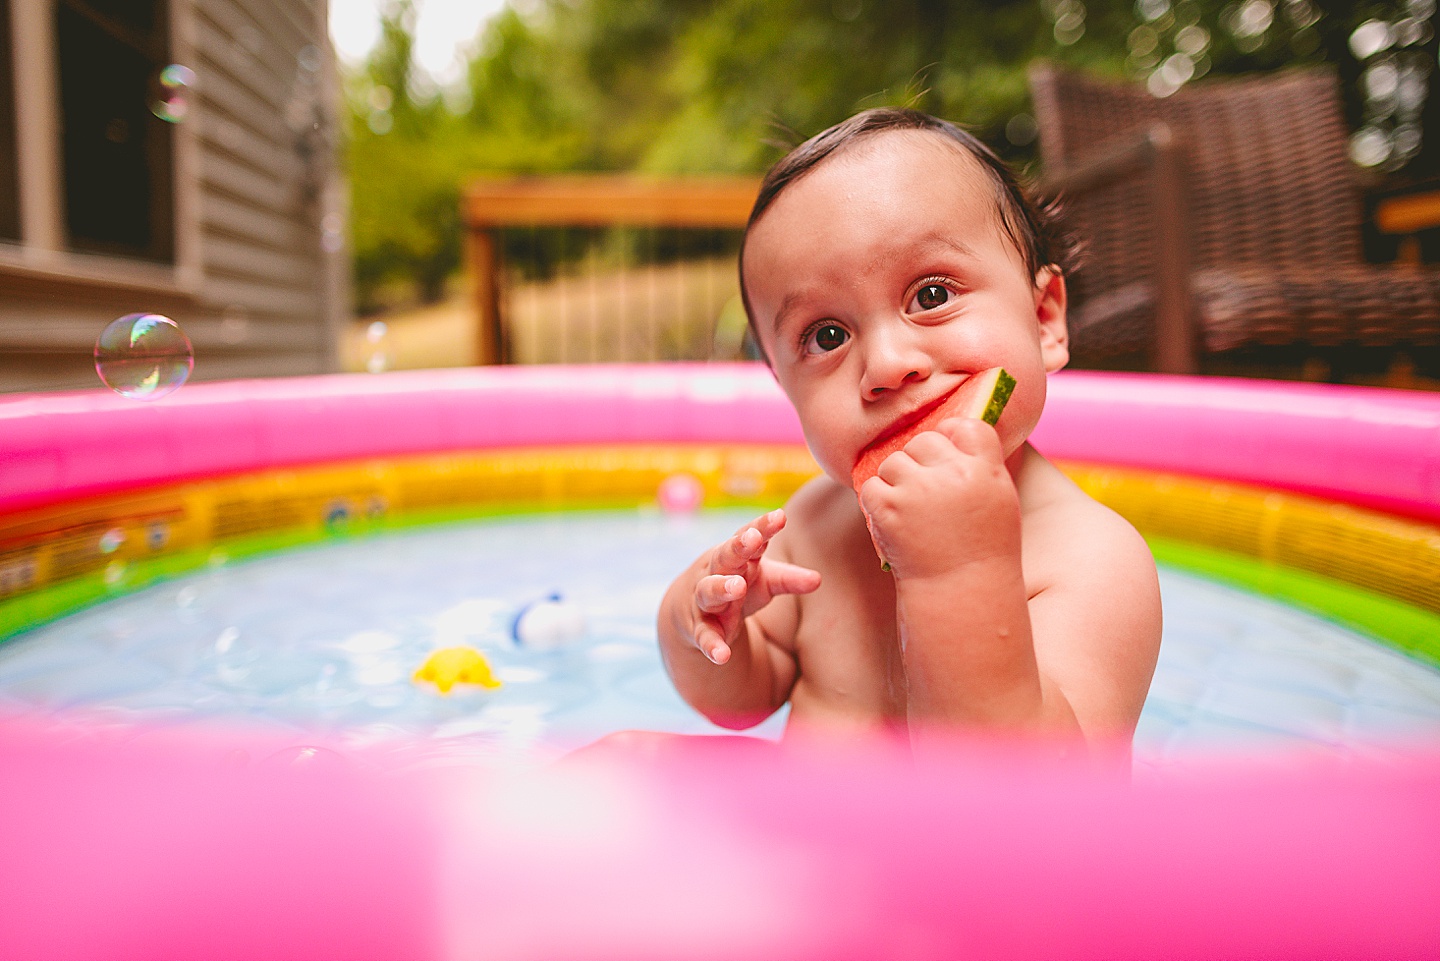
583 201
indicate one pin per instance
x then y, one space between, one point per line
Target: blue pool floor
320 643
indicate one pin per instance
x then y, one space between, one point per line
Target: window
118 193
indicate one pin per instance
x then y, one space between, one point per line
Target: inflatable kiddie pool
232 565
1297 525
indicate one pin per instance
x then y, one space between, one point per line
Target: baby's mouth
905 421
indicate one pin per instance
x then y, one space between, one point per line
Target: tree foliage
724 86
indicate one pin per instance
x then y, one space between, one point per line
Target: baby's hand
945 501
739 581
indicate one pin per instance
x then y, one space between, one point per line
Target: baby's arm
978 651
717 634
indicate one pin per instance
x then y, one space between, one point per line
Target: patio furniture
1223 219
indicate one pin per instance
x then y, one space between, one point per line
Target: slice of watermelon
983 396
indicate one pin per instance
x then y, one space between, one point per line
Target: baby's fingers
715 592
747 544
711 641
972 436
785 578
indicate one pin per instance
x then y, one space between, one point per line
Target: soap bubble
171 98
143 356
680 494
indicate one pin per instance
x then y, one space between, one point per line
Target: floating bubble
143 356
171 100
680 494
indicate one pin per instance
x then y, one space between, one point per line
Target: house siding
255 179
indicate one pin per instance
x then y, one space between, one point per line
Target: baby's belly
871 708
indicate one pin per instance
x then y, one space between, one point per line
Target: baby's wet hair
1032 226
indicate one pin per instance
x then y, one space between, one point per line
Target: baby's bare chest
847 649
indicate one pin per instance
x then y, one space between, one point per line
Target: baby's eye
929 297
825 338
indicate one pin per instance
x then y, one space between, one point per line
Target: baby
886 262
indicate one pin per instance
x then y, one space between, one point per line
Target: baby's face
883 279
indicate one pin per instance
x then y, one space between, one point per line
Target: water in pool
321 643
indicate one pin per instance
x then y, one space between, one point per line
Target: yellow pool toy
456 665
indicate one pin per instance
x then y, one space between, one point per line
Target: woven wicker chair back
1269 181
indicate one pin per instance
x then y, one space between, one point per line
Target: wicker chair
1224 218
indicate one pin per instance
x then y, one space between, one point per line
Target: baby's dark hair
1032 226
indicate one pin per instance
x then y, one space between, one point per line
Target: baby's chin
838 477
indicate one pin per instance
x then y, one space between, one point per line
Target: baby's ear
1050 305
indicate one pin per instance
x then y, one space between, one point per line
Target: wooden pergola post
1160 151
583 201
484 257
1176 350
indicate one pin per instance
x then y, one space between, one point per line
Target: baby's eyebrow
922 245
788 305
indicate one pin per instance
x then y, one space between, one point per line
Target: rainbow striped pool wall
1327 497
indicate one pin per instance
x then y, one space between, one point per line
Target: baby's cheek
1020 417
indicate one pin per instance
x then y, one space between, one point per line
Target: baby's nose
891 363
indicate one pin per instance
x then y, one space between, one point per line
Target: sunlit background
300 191
439 92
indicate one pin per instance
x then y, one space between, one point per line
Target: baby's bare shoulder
1094 605
1069 534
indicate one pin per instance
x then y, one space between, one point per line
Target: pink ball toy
681 494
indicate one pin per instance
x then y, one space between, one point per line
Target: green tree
723 86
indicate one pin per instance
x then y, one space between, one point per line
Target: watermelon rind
999 397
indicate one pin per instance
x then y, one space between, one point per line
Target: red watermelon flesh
983 396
